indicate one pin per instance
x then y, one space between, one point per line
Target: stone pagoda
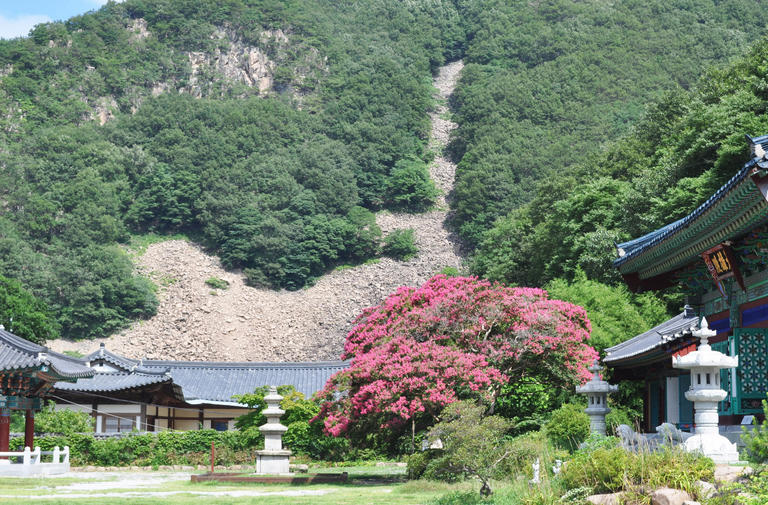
597 391
273 460
705 393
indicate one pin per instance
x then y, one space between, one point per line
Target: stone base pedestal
272 462
714 446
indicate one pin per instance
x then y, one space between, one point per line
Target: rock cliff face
236 63
197 322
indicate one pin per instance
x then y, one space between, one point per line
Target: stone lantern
705 365
273 459
597 393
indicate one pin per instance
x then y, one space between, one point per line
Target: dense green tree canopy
686 147
547 82
23 314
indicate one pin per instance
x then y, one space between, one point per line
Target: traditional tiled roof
207 381
218 381
114 382
120 362
667 332
735 208
17 353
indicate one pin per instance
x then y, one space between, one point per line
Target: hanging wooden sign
721 265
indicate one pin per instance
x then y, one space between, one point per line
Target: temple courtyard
367 484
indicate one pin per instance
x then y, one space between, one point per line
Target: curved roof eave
636 247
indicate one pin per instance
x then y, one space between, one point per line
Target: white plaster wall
186 424
120 409
76 408
673 400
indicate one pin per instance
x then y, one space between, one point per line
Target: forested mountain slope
546 83
686 147
197 321
268 130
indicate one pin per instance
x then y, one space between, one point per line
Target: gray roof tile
113 382
679 326
215 381
17 353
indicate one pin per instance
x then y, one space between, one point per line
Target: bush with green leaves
475 445
568 426
756 440
409 186
152 449
400 244
25 315
62 421
302 436
217 283
606 467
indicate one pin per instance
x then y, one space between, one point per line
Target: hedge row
152 449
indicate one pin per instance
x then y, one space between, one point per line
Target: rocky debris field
197 322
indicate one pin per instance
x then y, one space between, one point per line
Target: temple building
718 254
27 375
125 394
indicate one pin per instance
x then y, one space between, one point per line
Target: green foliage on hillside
23 314
280 184
546 83
615 313
685 148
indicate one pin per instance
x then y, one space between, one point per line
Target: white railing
32 464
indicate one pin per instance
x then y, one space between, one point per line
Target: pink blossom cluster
452 338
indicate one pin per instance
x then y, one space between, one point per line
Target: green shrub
450 272
568 426
475 445
151 449
605 470
609 468
64 422
432 464
217 283
756 440
409 186
619 415
675 468
309 439
459 498
526 449
400 245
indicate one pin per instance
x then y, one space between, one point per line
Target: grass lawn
367 485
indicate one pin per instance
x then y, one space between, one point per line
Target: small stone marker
597 393
273 460
536 476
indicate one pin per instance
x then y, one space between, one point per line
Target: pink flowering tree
451 339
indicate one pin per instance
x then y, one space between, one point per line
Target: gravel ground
241 323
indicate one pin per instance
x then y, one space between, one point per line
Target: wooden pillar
5 429
29 429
